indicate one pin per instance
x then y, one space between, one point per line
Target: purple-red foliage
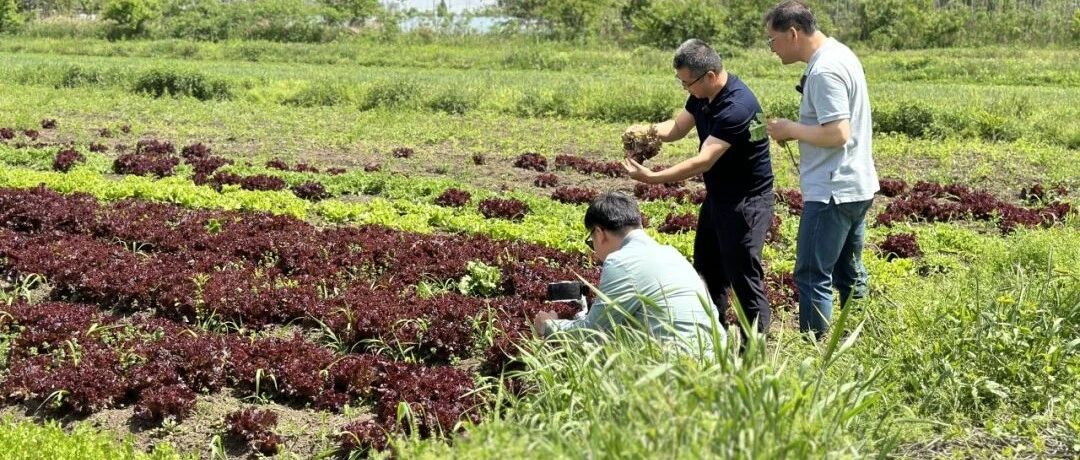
151 157
586 166
453 198
363 436
791 198
143 165
900 245
156 403
262 182
7 133
32 134
91 382
311 191
546 180
678 223
105 132
277 164
287 368
772 236
154 147
66 159
372 167
304 167
781 291
509 208
653 192
892 187
48 123
1033 195
403 152
335 171
99 148
574 195
195 151
438 397
255 427
531 160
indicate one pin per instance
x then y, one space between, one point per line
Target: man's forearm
685 169
827 135
667 131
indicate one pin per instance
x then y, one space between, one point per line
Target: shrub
393 93
130 16
175 82
666 23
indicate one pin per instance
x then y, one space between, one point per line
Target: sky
455 6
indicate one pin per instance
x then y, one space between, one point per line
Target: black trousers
727 253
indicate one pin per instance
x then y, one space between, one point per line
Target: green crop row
1009 66
916 110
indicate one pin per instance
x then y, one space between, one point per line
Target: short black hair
791 13
698 57
614 211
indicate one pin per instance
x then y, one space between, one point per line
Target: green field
970 350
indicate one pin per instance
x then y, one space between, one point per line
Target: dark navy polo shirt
734 116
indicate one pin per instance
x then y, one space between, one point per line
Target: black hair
615 212
698 57
791 13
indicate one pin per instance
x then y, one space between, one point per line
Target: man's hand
541 317
781 129
638 172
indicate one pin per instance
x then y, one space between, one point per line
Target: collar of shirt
635 235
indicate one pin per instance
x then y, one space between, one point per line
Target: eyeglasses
686 85
802 82
589 242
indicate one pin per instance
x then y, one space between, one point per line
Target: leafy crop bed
145 303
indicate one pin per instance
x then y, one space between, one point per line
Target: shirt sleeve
732 125
617 283
828 96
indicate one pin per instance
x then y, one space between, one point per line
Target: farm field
245 249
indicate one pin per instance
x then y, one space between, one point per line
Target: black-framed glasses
802 82
589 242
686 85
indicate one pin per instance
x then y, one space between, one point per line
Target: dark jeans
829 253
727 253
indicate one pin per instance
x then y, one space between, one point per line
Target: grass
968 351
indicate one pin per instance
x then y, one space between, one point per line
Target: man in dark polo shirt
733 156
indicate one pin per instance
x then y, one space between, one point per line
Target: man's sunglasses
589 242
802 82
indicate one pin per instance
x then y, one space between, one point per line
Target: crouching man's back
644 284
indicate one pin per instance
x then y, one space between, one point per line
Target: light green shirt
643 269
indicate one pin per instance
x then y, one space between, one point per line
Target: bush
173 82
130 16
391 93
667 23
452 102
280 21
319 94
197 19
10 19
